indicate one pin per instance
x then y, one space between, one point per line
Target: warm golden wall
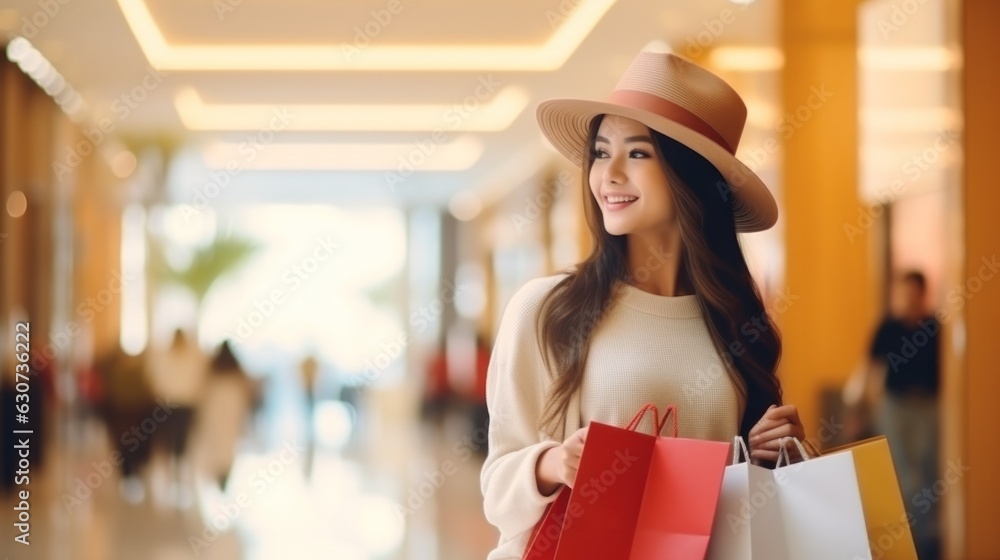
35 134
981 83
825 330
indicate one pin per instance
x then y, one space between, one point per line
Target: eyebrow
646 139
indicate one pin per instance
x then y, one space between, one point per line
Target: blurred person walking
308 370
177 375
222 416
437 393
130 412
480 411
900 383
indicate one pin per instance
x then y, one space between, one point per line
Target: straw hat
683 101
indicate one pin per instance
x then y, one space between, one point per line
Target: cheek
595 182
656 194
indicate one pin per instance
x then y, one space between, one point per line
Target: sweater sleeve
515 395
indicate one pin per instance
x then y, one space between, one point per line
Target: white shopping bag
820 504
808 510
748 523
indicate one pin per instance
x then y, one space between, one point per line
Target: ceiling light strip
550 55
493 115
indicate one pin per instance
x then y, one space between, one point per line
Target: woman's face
627 179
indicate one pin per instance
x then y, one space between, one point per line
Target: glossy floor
387 487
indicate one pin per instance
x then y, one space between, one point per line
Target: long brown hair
712 260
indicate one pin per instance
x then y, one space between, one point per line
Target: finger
773 436
765 425
763 455
788 411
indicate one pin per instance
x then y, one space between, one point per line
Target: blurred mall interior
347 193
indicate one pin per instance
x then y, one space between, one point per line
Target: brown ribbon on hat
668 109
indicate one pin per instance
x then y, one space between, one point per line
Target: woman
660 310
222 416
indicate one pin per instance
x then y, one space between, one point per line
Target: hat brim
566 124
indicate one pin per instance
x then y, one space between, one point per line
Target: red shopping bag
545 537
636 497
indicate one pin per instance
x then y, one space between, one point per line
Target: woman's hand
765 437
558 465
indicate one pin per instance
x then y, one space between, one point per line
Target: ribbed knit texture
647 349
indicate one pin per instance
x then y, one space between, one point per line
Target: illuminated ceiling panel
548 55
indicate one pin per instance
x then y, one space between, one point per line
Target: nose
614 173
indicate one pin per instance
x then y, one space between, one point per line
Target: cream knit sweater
647 349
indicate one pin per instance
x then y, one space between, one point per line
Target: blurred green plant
382 294
206 265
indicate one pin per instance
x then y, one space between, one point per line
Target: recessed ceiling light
928 59
492 114
747 59
455 155
547 56
910 119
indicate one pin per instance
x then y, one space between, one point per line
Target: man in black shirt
905 350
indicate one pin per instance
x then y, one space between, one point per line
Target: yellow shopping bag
885 517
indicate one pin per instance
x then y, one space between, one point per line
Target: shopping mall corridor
350 507
271 253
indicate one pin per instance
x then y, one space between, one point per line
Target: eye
638 154
598 153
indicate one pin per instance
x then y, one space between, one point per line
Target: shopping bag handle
670 412
739 445
667 414
783 450
633 424
812 447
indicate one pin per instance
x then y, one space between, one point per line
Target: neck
654 264
914 315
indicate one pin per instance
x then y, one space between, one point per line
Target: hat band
669 109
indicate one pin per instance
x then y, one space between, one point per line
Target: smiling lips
618 201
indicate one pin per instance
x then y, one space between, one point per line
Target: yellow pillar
981 89
825 330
